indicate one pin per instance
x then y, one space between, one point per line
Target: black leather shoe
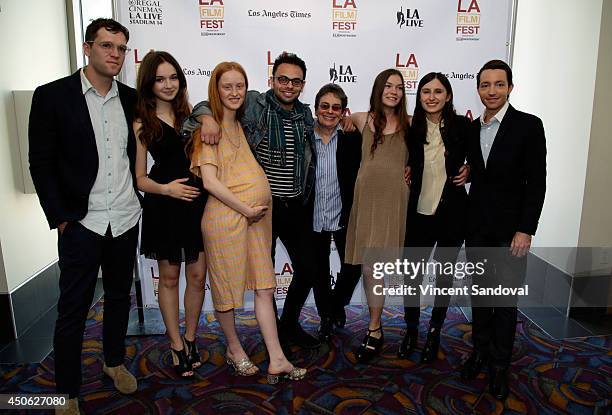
326 329
370 347
498 383
298 336
339 317
432 344
473 366
408 344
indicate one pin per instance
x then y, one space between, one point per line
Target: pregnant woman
237 223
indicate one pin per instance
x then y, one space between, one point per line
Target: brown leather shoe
71 408
124 381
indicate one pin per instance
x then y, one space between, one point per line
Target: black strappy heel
180 363
371 346
193 353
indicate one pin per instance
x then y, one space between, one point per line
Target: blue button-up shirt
328 203
488 131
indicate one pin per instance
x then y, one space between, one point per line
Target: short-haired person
378 214
173 203
438 200
507 156
338 158
237 225
82 154
279 130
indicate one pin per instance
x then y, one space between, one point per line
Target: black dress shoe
295 334
408 344
370 347
498 382
432 344
339 317
473 366
326 329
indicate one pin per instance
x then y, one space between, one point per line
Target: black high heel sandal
180 363
371 346
193 353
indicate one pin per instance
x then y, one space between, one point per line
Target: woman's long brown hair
377 109
146 104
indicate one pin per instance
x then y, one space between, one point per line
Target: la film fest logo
283 279
212 17
344 18
409 67
341 74
468 20
143 12
408 18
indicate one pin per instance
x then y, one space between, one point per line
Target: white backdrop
344 41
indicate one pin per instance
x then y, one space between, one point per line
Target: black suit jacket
507 195
348 159
62 147
453 202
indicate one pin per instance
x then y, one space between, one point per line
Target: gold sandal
242 367
297 373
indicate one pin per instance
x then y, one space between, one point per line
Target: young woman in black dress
173 202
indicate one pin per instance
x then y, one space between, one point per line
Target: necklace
234 136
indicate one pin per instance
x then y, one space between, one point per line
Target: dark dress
171 227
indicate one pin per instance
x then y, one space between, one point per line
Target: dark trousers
347 278
292 224
494 328
425 231
81 254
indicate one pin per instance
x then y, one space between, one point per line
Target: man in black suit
507 154
82 152
339 155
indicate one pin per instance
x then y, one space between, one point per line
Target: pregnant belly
254 193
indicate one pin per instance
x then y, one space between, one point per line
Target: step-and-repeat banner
343 41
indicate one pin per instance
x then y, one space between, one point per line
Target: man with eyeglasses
279 129
82 153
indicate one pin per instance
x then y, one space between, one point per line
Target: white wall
555 61
33 51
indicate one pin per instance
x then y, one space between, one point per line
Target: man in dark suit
82 153
507 154
339 155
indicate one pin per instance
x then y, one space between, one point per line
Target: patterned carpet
547 377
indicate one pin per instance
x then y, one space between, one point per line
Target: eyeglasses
283 80
325 106
108 47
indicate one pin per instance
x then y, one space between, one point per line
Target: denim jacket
254 124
